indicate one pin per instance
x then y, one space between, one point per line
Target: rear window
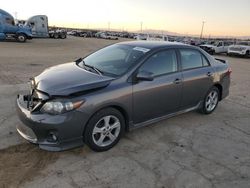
191 59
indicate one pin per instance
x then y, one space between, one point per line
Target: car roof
154 44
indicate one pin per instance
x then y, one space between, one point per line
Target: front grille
32 102
35 99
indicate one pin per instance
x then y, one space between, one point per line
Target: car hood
67 79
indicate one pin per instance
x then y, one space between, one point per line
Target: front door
162 95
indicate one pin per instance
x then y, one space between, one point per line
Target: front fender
26 31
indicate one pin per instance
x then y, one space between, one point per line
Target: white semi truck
40 28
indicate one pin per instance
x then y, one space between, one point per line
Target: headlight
59 107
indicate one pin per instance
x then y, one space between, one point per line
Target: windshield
217 43
114 60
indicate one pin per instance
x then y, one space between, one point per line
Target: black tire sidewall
63 36
56 36
91 124
247 54
23 35
204 109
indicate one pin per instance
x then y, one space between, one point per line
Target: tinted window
161 63
190 59
9 21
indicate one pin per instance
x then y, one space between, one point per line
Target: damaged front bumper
51 132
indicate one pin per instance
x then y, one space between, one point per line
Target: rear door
162 95
197 75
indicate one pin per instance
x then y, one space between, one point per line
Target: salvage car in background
105 35
95 99
241 49
217 47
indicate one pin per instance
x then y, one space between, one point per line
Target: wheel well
220 90
21 33
120 109
124 113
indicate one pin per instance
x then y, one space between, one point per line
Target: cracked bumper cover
37 128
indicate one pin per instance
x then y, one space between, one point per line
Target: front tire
21 37
212 52
56 36
211 101
63 36
104 129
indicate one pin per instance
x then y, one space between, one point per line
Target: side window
220 44
190 59
9 21
161 63
205 61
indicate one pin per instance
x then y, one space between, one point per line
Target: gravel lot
190 150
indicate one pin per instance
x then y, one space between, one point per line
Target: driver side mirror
145 76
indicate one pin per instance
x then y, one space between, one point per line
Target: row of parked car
100 34
241 48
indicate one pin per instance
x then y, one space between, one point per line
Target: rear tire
63 36
247 54
104 129
21 37
211 101
56 36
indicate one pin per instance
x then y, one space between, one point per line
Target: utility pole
203 22
141 26
108 26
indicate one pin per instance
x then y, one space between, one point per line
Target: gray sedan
96 99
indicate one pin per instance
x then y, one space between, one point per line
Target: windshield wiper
92 68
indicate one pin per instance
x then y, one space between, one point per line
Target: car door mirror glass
144 75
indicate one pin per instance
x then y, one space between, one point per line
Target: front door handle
177 81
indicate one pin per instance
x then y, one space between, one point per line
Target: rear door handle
177 81
209 74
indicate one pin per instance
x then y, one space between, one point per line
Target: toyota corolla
96 99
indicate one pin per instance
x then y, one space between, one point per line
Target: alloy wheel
211 101
106 130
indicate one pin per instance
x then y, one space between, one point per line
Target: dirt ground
190 150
